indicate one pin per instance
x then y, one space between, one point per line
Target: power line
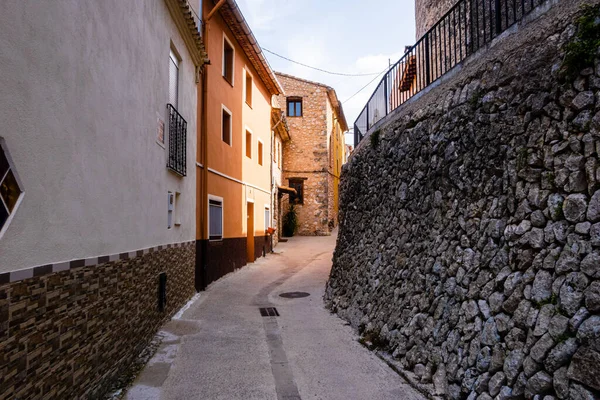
363 88
315 68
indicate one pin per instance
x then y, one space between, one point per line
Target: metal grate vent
269 312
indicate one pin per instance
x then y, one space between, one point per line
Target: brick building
313 158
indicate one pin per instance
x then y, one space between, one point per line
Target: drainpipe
272 181
204 186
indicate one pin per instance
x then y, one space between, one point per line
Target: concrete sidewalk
222 348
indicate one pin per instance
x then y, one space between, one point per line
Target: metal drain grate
269 312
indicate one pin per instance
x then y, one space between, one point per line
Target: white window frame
223 108
248 130
176 58
259 156
267 223
247 73
11 167
219 199
226 39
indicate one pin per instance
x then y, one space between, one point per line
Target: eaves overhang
189 25
280 124
232 15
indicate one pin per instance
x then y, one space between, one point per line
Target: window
173 79
294 107
267 218
170 207
10 189
226 125
275 152
248 144
177 124
177 142
260 153
279 150
248 89
215 218
298 184
228 60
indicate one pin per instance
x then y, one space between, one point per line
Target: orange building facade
234 197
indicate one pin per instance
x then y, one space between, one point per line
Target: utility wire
364 87
315 68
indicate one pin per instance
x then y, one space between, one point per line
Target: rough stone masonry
469 243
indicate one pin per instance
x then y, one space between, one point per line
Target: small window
215 219
228 60
260 153
170 209
248 89
248 144
267 218
297 184
10 190
294 107
279 150
173 79
226 126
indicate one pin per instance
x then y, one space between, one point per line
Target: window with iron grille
298 184
10 188
177 141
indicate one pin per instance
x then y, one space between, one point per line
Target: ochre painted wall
245 178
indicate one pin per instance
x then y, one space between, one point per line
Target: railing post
498 18
368 127
385 91
427 61
355 135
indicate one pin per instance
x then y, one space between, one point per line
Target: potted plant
290 222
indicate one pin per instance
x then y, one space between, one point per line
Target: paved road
221 347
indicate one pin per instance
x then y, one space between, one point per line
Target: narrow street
222 348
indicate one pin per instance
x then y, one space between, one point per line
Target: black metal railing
467 27
177 142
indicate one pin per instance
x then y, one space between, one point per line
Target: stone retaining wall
69 333
469 243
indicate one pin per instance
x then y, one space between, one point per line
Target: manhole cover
294 295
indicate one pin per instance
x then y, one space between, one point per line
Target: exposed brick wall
69 334
307 155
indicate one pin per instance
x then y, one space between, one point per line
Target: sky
347 36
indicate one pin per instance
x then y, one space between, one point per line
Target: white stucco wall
82 84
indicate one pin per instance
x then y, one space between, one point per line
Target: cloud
263 15
376 63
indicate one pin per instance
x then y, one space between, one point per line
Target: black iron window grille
177 142
297 184
467 27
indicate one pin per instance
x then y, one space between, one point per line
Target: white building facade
99 111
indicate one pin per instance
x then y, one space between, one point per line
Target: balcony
470 25
177 142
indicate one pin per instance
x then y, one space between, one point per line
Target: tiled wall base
219 258
68 334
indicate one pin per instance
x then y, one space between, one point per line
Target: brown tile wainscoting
67 330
